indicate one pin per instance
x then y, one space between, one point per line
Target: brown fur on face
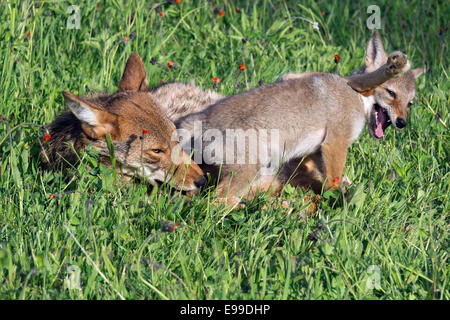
395 95
144 139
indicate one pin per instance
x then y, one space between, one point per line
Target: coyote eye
410 104
391 93
156 150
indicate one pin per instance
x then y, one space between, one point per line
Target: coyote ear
376 56
95 122
134 77
417 72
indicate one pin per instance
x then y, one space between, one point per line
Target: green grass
394 216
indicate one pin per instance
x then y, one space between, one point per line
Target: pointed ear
95 122
376 56
417 72
134 77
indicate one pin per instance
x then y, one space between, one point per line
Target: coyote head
145 141
393 98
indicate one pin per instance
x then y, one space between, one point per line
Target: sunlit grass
393 217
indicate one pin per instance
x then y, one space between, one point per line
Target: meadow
92 236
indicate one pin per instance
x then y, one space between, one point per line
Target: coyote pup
144 139
314 114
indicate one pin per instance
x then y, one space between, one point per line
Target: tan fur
153 156
403 84
178 99
318 116
289 76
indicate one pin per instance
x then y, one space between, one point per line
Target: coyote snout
393 98
167 162
144 139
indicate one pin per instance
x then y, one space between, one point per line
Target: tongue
381 119
379 130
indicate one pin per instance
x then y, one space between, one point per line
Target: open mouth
380 121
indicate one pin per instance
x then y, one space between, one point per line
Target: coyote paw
397 63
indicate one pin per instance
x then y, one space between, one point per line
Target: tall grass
389 228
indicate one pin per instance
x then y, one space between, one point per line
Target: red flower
178 1
161 13
176 224
323 13
336 58
162 80
336 181
145 131
168 226
28 35
237 10
170 64
47 137
126 38
52 196
216 80
313 236
221 13
242 67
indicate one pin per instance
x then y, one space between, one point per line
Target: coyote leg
305 172
245 185
365 83
248 187
334 154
